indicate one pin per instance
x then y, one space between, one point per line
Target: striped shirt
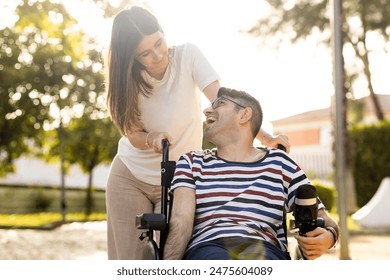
240 199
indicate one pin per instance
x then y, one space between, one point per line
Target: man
229 202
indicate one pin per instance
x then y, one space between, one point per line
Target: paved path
88 241
362 247
68 242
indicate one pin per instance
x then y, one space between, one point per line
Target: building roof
383 99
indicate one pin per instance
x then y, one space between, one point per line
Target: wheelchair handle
281 147
165 150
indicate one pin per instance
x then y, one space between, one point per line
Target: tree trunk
89 199
363 55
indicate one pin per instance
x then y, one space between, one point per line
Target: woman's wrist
147 139
265 138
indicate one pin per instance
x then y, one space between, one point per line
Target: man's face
221 119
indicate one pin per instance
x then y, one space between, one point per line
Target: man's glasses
219 101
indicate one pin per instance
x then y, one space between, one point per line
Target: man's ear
246 115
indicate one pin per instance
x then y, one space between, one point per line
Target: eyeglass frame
221 98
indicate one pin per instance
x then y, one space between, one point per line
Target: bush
31 199
41 201
326 194
370 158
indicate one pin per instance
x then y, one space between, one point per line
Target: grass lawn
45 220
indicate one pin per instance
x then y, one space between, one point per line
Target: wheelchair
158 222
305 216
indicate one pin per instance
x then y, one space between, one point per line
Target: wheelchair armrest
151 221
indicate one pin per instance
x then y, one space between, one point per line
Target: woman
151 96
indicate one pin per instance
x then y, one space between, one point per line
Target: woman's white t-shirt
174 107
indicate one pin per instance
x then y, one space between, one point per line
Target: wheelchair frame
158 222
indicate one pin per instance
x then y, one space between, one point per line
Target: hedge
33 199
370 158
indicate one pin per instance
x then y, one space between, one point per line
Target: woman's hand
274 141
154 140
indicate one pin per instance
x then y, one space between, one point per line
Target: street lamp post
62 156
339 118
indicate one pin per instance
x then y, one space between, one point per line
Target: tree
14 122
52 89
366 21
88 143
297 20
108 9
39 56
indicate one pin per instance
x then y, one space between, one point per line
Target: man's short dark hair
246 100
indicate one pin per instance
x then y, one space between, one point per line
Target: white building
310 136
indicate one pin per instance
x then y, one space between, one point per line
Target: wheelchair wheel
150 251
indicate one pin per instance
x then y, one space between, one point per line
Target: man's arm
180 224
320 240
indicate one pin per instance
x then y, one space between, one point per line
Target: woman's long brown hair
124 78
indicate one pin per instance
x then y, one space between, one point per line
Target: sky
288 81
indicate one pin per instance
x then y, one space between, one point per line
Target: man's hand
315 243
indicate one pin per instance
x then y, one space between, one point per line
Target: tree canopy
366 23
51 73
37 55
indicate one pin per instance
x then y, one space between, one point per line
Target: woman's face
152 53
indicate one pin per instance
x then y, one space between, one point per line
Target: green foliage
52 92
44 220
32 199
14 122
206 144
370 158
302 18
295 21
108 9
326 194
50 71
356 110
41 201
88 142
